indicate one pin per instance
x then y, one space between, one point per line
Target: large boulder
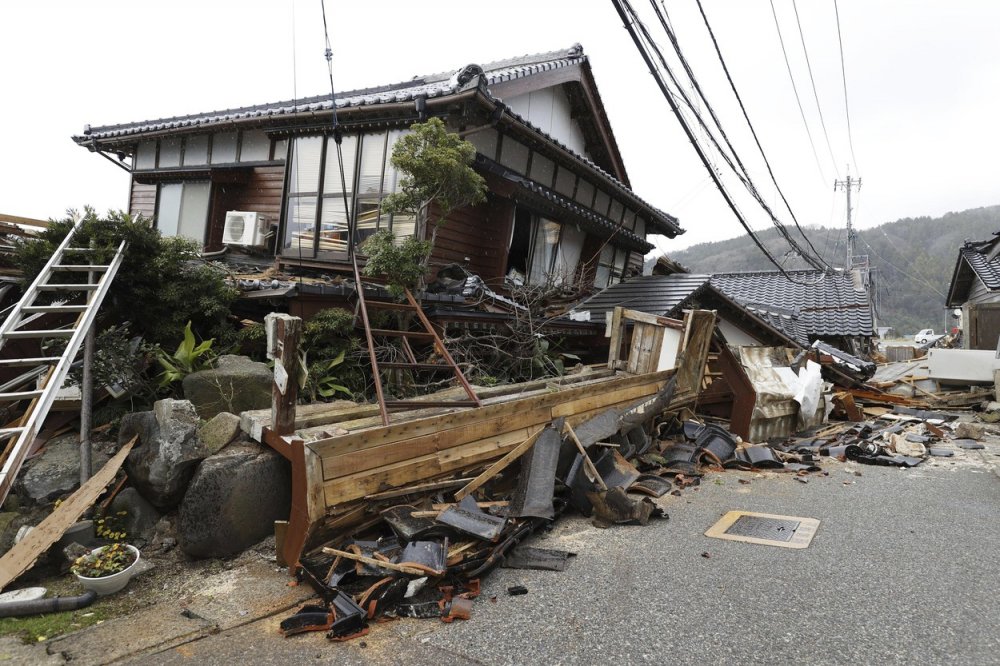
139 521
233 501
57 471
236 384
167 453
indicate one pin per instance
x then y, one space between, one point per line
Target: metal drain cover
775 529
765 529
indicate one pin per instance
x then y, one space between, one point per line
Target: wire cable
817 262
812 80
746 116
634 25
843 74
795 89
338 137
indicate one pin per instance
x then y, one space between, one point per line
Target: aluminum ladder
22 323
428 334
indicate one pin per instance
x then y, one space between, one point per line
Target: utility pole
847 185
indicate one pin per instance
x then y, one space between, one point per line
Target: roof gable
976 259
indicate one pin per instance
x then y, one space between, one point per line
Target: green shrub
162 282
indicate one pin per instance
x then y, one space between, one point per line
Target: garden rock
969 431
57 471
236 384
220 430
233 501
139 521
167 453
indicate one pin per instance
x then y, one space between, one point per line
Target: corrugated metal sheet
775 413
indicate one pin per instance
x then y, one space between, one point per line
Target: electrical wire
909 275
843 74
634 25
746 116
338 138
812 80
795 89
817 262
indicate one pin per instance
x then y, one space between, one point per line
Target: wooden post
283 335
87 407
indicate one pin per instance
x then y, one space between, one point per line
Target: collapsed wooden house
344 460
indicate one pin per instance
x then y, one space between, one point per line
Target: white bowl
106 585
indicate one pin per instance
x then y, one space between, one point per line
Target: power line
631 21
741 173
756 139
795 89
843 74
819 108
912 277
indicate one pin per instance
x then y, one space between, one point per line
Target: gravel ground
902 570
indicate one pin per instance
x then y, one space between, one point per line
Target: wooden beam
587 462
371 561
283 334
23 555
423 487
499 465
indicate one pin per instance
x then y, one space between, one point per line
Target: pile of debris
422 555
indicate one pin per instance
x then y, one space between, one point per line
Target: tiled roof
823 304
661 295
976 259
431 86
985 268
669 295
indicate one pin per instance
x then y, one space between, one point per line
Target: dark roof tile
824 304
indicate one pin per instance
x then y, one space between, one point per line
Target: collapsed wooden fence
335 477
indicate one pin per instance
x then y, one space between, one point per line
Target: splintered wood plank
574 407
317 416
367 439
358 461
23 555
422 468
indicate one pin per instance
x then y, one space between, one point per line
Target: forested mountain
914 258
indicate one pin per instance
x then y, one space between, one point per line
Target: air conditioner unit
245 228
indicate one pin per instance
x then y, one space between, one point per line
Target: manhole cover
776 529
765 529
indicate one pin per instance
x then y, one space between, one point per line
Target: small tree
436 169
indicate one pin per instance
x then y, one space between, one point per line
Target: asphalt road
903 569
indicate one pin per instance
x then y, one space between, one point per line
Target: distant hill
914 257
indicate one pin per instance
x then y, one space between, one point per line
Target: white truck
925 336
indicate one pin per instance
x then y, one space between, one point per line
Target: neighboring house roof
432 86
976 259
669 295
822 304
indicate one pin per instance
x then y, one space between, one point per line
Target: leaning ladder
428 334
21 324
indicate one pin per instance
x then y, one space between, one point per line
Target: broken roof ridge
571 55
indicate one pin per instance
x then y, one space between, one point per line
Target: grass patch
35 628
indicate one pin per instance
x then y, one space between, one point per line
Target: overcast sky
923 81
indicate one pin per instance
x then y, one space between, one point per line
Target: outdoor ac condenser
244 228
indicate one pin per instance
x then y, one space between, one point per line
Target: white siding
736 336
549 110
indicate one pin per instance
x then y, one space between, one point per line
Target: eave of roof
433 86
